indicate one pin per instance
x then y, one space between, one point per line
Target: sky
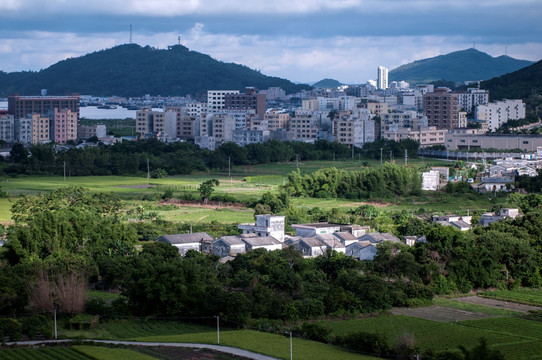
300 40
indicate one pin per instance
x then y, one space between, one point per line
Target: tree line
137 157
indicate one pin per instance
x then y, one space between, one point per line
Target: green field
264 343
523 296
46 352
460 305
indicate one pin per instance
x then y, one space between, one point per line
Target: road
225 349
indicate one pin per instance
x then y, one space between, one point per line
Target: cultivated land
246 185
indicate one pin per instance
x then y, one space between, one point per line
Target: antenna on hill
179 39
130 33
506 50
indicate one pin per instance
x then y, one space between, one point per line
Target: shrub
35 325
314 331
10 328
365 341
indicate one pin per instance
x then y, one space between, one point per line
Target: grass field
454 304
522 296
263 343
42 353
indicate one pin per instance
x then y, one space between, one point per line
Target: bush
35 325
314 331
366 342
10 328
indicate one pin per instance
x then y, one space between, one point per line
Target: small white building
185 242
229 246
310 246
267 242
430 180
266 225
489 218
362 250
308 230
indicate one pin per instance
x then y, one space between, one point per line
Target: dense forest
132 70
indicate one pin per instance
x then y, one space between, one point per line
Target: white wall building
499 112
216 99
382 78
266 225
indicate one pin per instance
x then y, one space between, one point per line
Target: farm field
472 307
523 296
104 353
45 352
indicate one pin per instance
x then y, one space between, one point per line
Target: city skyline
303 41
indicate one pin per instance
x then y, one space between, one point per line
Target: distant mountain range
458 66
516 85
132 70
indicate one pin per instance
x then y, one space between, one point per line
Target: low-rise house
489 218
310 246
185 242
346 238
332 242
461 222
376 238
308 230
496 183
362 250
267 242
413 240
228 246
266 225
356 230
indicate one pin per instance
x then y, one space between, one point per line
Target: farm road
225 349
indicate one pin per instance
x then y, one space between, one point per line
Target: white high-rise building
216 99
382 78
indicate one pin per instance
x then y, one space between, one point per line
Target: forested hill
458 66
517 85
132 70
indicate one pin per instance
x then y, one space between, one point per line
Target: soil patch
499 304
167 353
377 204
440 314
209 205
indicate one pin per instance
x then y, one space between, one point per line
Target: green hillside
459 66
327 84
517 85
132 70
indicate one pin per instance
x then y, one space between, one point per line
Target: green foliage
125 70
206 188
374 343
481 352
11 328
35 325
314 331
460 187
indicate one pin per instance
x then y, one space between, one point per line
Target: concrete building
23 130
489 218
7 128
472 98
216 99
195 109
426 136
25 106
354 127
382 78
441 108
162 124
470 139
304 126
222 127
250 100
40 129
266 225
243 137
498 113
308 230
63 125
276 120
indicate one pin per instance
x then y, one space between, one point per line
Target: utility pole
291 352
406 156
218 329
380 156
64 171
56 332
148 171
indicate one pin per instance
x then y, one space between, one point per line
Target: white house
308 230
266 225
376 238
267 242
489 218
228 246
185 242
310 246
362 250
332 242
346 238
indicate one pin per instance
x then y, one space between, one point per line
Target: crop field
461 305
428 334
264 343
105 353
522 296
42 353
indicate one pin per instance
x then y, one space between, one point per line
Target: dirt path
440 314
498 303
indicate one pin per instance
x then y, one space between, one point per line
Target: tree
18 153
206 188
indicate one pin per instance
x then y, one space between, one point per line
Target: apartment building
41 132
250 100
7 125
216 99
304 126
382 78
441 107
354 127
162 124
23 130
425 135
276 120
499 112
223 126
25 106
63 125
472 98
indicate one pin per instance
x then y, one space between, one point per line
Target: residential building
458 221
499 112
243 137
195 109
276 120
216 99
25 106
40 129
472 98
222 127
185 242
426 136
63 125
504 213
250 100
466 139
7 128
304 126
261 242
362 250
308 230
266 225
23 130
354 128
228 246
441 108
161 124
382 78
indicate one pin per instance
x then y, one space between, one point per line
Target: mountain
458 66
132 70
517 85
327 84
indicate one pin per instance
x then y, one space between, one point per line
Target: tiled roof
185 238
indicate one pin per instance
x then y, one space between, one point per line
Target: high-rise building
216 99
250 100
441 108
40 129
64 125
157 123
382 78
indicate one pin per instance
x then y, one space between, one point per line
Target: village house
308 230
229 246
362 250
185 242
489 218
266 242
310 246
376 238
332 242
461 222
266 225
346 238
